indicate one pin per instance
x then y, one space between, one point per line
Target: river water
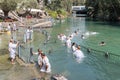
94 66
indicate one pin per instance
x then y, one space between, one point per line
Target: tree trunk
40 2
5 14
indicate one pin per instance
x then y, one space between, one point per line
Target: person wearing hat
12 46
78 54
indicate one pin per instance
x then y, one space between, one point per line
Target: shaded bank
107 10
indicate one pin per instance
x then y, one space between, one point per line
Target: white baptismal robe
12 49
78 54
68 43
28 34
74 48
44 62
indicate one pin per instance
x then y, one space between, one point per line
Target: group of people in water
9 27
75 48
43 60
78 54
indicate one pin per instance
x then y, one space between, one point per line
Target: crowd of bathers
76 51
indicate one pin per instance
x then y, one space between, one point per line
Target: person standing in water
78 54
12 47
43 62
39 56
68 42
29 32
73 47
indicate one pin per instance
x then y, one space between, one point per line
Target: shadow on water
110 24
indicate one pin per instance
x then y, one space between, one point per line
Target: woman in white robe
78 54
68 43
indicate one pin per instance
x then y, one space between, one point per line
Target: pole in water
106 55
19 50
31 56
88 50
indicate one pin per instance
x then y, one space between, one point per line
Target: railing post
25 39
31 56
19 50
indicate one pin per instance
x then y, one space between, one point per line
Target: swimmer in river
102 43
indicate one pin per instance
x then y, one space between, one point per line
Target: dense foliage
7 5
104 9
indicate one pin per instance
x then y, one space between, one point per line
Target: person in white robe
39 56
78 54
28 33
68 42
9 27
44 63
12 47
14 27
63 38
73 47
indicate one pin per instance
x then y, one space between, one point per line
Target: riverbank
17 71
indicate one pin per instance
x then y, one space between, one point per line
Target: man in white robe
12 47
44 63
28 33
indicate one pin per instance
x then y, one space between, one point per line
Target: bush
52 14
62 12
1 20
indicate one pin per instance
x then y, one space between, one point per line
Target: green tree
8 5
104 9
28 4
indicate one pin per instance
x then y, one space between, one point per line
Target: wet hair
73 43
78 47
42 54
102 42
40 51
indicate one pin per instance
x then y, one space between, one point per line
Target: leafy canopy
8 5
